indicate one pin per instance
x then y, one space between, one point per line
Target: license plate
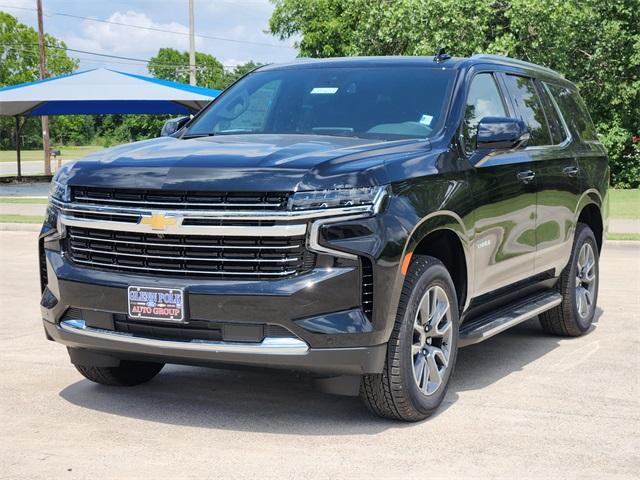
151 303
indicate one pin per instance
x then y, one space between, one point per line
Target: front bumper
321 309
270 353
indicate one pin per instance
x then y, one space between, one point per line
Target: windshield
387 103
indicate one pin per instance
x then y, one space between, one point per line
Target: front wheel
128 374
422 349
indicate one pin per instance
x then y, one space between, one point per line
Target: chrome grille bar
287 230
201 259
197 272
186 245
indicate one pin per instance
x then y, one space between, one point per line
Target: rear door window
574 112
526 100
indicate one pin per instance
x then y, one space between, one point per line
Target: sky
235 21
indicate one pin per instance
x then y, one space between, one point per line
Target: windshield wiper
236 131
187 136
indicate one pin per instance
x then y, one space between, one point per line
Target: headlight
348 197
59 191
59 188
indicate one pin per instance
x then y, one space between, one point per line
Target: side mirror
501 133
172 125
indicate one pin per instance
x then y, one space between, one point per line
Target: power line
154 29
106 55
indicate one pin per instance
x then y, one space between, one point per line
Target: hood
245 163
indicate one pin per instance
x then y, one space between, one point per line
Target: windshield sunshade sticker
324 90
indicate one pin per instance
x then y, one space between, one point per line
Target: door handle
571 171
527 176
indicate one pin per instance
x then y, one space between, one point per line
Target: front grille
180 200
73 314
212 333
194 330
189 255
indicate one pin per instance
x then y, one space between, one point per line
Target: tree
593 43
239 71
19 53
19 63
170 64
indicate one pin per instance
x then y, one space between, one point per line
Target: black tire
395 393
128 374
565 319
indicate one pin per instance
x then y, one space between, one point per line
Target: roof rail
514 61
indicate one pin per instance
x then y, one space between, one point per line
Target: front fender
416 208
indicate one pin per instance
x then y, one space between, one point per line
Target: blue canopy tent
98 92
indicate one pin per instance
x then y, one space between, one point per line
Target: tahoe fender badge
483 243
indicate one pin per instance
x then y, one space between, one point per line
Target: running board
486 326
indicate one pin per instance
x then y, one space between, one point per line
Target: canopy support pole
18 132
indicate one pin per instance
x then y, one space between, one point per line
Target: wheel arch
442 235
590 213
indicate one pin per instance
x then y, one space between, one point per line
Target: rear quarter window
574 112
557 129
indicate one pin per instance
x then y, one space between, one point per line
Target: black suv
358 219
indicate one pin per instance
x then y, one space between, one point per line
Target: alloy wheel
432 335
585 280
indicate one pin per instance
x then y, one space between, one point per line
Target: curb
13 179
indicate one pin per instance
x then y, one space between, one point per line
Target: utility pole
192 46
43 75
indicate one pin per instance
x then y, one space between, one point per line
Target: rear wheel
422 349
578 285
127 374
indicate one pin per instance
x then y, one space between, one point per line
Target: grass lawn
21 219
68 153
623 236
24 200
625 204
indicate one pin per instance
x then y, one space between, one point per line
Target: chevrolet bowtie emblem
159 221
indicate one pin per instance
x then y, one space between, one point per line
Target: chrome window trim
557 146
268 346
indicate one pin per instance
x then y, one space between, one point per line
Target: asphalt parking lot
522 405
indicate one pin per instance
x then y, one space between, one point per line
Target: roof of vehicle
412 61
